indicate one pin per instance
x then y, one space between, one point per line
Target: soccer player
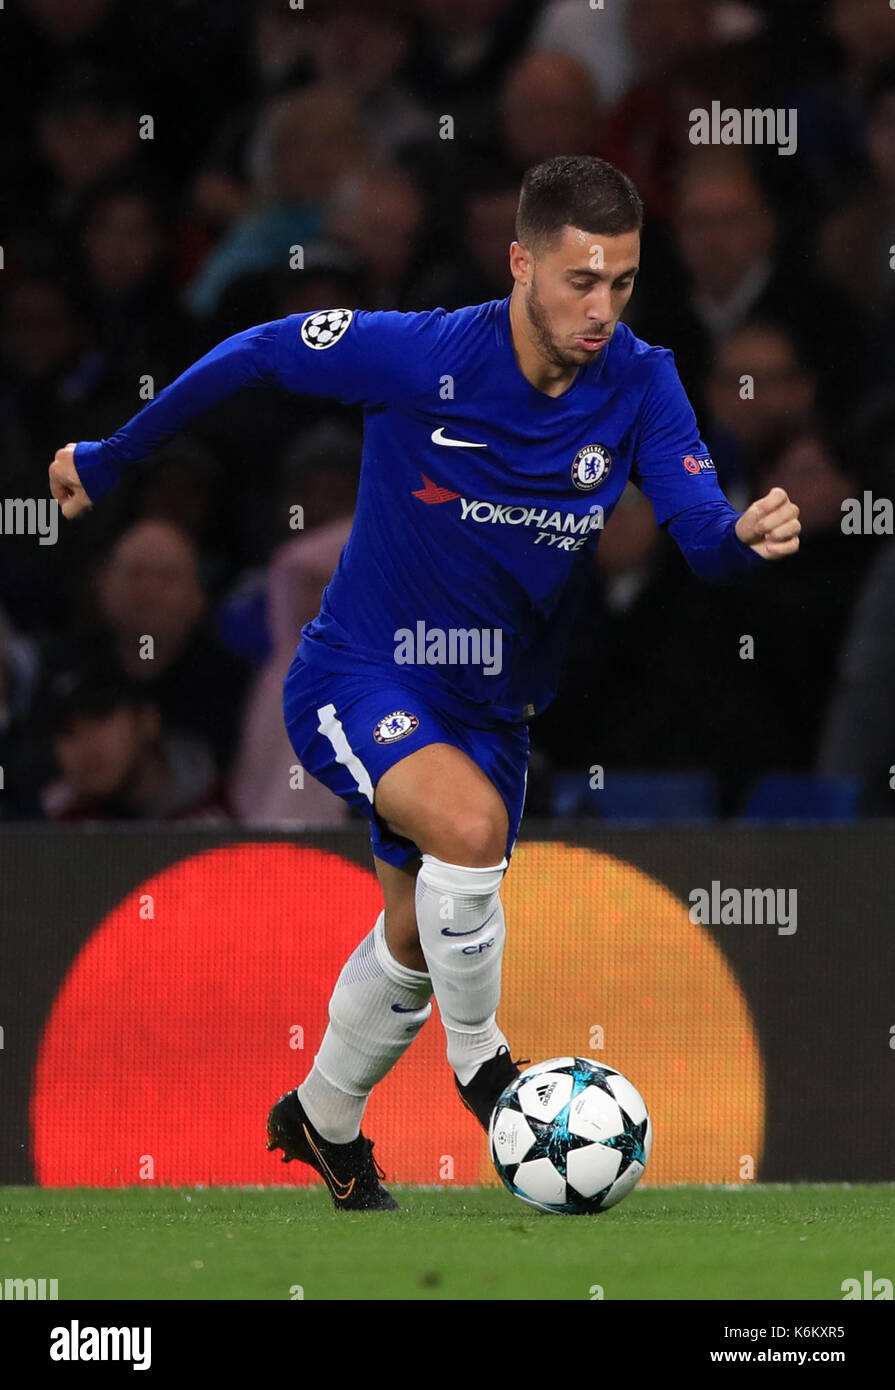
498 439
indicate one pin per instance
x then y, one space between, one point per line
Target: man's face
723 227
807 471
864 29
97 755
40 333
87 142
576 291
381 225
122 241
782 388
150 584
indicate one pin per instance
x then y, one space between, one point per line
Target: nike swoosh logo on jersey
396 1009
437 437
446 931
338 1189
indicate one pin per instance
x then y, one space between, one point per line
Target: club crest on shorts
326 328
590 466
396 725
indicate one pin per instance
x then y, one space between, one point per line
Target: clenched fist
771 525
65 485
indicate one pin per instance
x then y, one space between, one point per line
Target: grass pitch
750 1242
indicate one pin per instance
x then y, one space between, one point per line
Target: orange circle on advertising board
203 994
602 961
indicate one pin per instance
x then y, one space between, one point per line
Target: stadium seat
638 796
802 797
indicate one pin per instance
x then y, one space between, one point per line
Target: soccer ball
570 1136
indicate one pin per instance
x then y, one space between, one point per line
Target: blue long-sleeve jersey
481 498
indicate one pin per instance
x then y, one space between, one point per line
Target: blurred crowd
161 162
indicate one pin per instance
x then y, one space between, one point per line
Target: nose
599 306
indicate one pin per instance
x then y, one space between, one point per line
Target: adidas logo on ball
545 1092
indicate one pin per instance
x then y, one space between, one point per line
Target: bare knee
438 798
476 839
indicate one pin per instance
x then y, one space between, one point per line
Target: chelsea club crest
590 466
396 725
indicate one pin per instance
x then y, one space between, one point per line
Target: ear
521 263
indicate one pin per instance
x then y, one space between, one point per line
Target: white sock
366 1035
462 932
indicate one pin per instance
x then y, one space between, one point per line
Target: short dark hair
575 191
86 692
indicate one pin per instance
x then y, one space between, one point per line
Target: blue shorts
347 730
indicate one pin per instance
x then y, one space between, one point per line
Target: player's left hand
66 486
771 525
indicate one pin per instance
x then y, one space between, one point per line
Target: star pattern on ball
554 1140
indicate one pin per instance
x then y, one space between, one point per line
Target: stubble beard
540 327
